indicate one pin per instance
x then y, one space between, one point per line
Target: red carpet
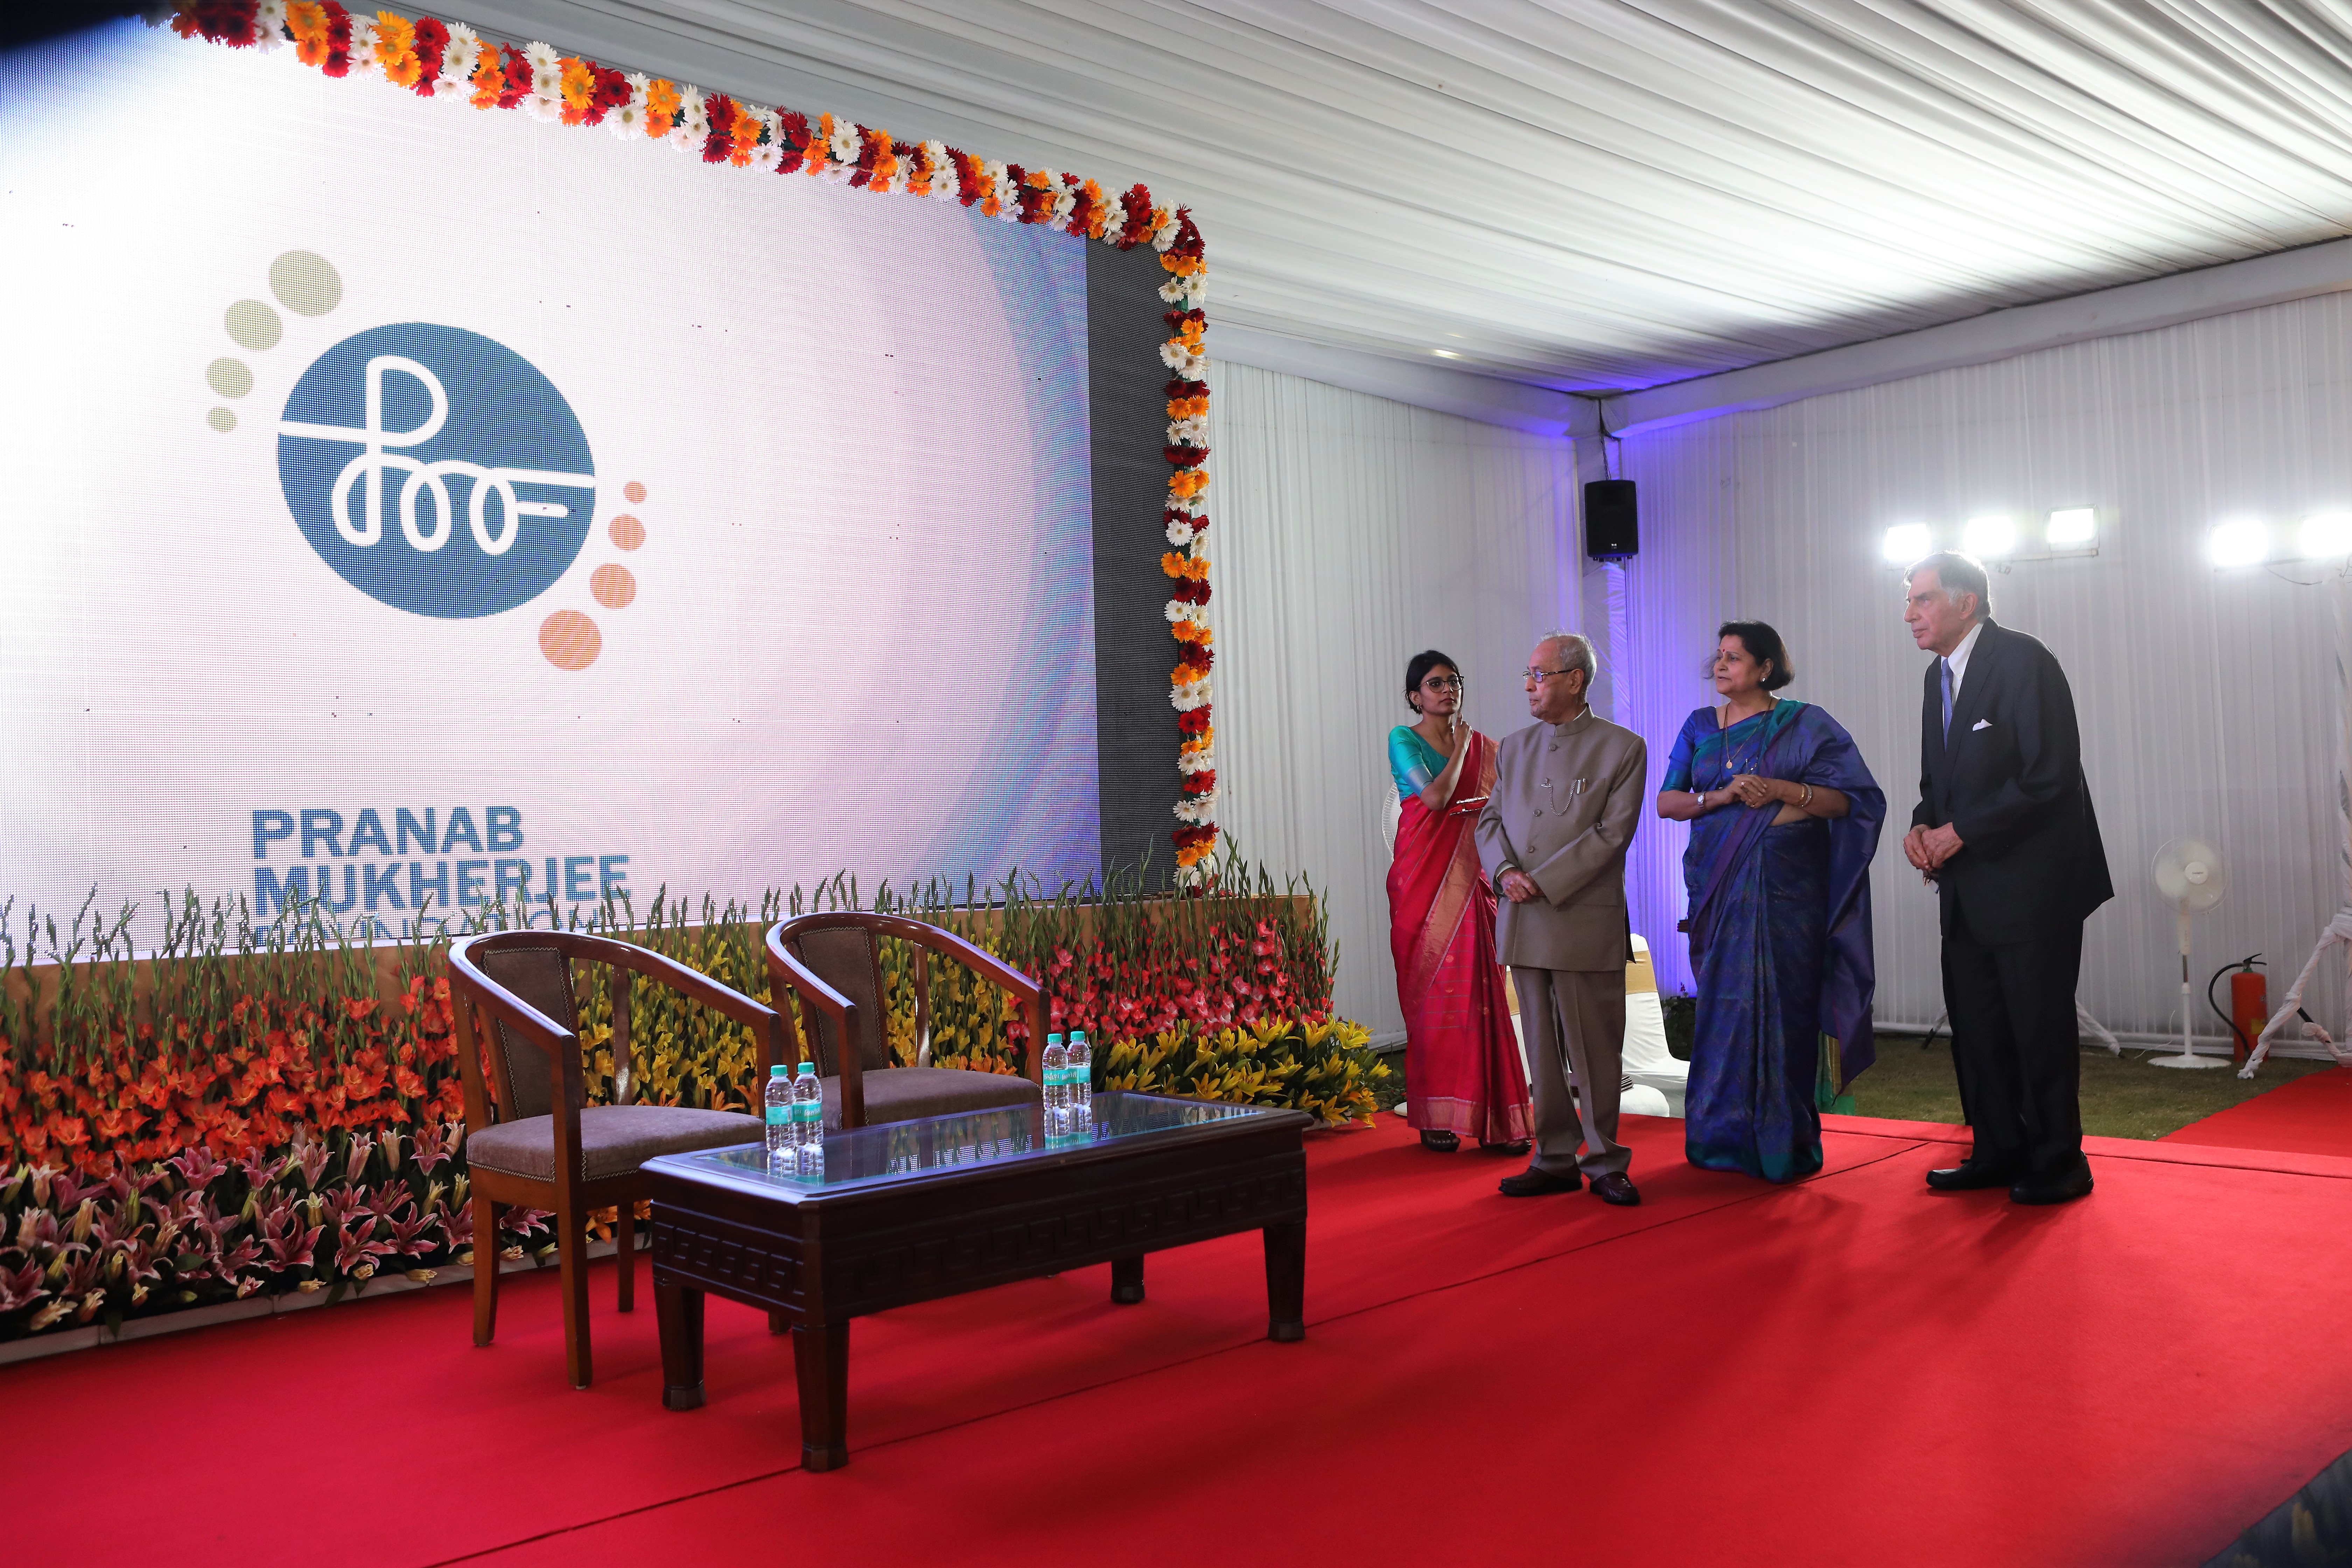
1850 1371
2308 1115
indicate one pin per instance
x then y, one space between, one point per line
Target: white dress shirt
1958 659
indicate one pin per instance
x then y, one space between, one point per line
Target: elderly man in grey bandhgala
1568 789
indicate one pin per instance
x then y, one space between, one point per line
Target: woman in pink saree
1463 1073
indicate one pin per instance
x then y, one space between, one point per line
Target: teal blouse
1412 761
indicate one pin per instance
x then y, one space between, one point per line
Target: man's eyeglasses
1452 682
1540 676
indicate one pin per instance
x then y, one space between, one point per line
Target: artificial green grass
2123 1096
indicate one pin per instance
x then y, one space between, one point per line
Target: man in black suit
2004 829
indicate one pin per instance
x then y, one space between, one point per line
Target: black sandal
1440 1142
1515 1148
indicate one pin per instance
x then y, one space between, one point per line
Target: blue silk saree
1780 936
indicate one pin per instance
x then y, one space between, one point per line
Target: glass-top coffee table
911 1210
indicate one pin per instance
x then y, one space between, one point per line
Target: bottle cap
808 1069
778 1070
1053 1039
1078 1036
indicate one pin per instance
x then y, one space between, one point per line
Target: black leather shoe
1616 1188
2074 1183
1534 1183
1443 1143
1968 1176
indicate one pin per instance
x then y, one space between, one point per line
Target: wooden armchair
831 965
533 1140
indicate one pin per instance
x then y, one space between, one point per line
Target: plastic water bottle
808 1109
1056 1087
782 1134
1081 1079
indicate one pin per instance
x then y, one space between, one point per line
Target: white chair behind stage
1654 1079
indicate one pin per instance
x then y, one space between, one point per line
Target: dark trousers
2016 1047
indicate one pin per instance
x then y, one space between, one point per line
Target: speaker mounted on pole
1612 529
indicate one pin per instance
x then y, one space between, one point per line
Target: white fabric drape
1349 533
1591 194
2204 696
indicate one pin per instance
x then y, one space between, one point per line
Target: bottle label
778 1114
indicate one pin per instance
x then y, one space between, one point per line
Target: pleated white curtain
2205 696
1350 533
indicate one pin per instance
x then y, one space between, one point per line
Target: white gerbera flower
362 51
1180 534
459 61
844 145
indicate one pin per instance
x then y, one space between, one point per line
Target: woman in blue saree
1784 820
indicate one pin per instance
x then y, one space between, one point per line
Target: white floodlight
1906 542
2071 526
1990 537
2326 536
2239 541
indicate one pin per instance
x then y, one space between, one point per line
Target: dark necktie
1947 700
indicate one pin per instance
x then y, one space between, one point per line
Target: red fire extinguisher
2250 1003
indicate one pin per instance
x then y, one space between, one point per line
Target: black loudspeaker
1613 528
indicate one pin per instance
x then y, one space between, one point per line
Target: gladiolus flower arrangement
256 1110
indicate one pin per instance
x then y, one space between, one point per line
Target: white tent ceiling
1595 194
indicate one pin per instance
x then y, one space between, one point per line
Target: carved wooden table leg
821 1357
1127 1280
1286 1281
678 1310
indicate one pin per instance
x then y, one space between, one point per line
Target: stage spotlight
2240 542
1990 537
2073 526
1906 542
2326 536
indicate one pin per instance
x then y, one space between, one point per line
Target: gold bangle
1806 805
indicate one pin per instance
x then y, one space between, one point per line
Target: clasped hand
1928 848
1520 887
1750 789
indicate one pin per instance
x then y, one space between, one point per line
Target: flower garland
438 59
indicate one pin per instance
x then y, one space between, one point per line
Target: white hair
1574 648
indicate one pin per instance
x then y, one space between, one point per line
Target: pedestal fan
2191 875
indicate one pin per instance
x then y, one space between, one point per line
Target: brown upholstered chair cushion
902 1094
614 1138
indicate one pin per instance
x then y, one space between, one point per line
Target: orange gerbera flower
578 84
661 108
489 78
396 49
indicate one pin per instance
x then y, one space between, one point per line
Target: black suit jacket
2010 782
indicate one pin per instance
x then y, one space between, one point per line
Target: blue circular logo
436 470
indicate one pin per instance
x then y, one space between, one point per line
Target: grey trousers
1575 1023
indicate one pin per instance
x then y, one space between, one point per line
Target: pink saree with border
1462 1061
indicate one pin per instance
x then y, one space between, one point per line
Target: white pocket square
1981 725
